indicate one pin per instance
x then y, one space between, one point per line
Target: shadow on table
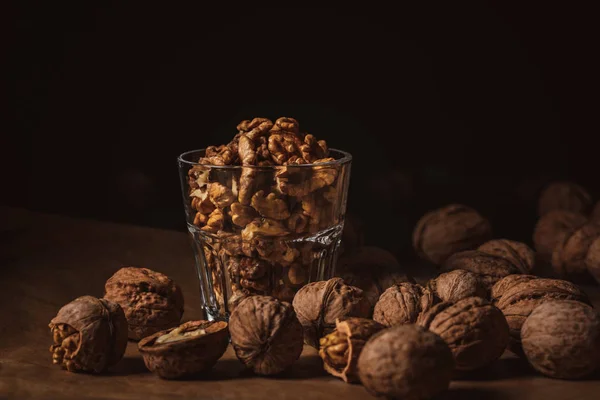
469 394
128 366
505 368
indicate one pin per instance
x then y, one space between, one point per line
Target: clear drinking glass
262 229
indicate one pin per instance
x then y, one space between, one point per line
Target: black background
480 103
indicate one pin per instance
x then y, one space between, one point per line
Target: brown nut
475 331
151 301
265 334
504 284
448 230
521 255
371 269
255 128
561 339
592 260
569 256
567 196
89 335
518 302
456 285
407 362
220 195
552 228
488 267
341 348
402 304
242 215
187 350
270 206
319 304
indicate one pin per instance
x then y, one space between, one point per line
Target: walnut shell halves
89 335
152 301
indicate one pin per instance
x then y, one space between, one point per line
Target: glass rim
345 159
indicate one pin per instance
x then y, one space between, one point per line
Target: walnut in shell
475 331
407 362
341 348
89 335
371 269
456 285
561 339
402 304
506 283
567 196
266 334
592 260
521 299
152 301
448 230
551 230
319 304
187 350
570 255
493 261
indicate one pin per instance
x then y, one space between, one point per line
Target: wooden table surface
48 260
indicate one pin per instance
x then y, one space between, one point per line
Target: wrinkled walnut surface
151 301
561 339
475 331
89 335
592 260
521 299
447 230
552 228
504 284
519 254
407 362
456 285
567 196
569 256
319 304
187 350
341 348
266 334
402 304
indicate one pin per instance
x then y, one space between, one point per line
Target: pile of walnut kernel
247 216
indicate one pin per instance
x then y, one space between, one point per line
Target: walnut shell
192 348
518 253
402 304
518 302
552 228
405 361
566 196
569 256
456 285
319 304
266 334
506 283
89 335
561 339
341 348
448 230
371 269
592 260
475 331
152 301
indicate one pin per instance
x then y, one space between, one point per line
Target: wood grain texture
48 260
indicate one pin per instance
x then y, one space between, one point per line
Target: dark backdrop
480 103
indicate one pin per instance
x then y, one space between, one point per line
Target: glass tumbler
265 230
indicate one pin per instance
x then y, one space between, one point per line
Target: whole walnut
187 350
341 348
402 304
521 299
566 196
506 283
152 301
266 334
475 331
319 304
456 285
407 362
89 335
561 339
371 269
552 228
448 230
569 256
518 253
592 260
